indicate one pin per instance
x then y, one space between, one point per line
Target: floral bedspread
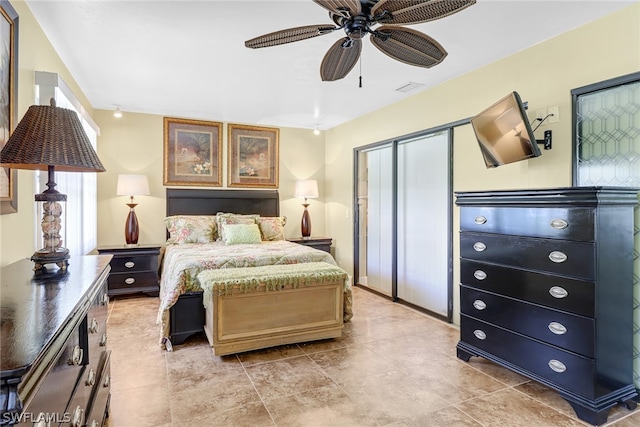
182 264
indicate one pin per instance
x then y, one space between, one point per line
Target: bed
182 308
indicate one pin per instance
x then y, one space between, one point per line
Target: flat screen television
504 133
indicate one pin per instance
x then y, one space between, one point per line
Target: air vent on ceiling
407 87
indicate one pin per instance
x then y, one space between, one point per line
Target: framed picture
192 152
8 100
252 156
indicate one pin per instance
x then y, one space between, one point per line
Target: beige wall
134 144
35 53
543 75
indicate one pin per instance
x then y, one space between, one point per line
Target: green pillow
234 234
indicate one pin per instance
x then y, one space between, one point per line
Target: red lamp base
305 225
131 229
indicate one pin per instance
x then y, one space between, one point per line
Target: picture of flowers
192 152
253 156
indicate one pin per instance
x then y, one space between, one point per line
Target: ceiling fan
361 17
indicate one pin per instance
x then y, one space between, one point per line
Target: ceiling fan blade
415 12
409 46
339 7
340 59
289 35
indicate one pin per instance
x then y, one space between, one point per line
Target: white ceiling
187 58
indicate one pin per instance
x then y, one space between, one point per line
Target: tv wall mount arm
546 142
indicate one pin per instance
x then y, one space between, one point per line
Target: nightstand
133 269
322 243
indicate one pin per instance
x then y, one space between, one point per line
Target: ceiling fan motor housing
357 27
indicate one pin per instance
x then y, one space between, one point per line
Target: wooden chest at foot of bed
242 316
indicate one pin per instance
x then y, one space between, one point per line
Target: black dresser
547 289
54 357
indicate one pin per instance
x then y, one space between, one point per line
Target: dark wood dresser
546 289
133 269
321 243
55 362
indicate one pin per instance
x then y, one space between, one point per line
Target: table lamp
51 138
307 189
132 185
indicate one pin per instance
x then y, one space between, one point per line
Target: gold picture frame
192 152
8 101
253 156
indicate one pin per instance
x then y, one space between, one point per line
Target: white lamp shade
132 185
307 188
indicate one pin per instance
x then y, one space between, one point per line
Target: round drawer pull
76 356
129 280
91 378
78 417
557 328
93 328
557 366
558 292
480 219
129 264
558 257
107 381
480 334
103 340
559 224
479 274
105 299
479 304
479 246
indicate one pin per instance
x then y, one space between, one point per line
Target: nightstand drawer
565 369
133 263
568 331
562 293
576 259
132 280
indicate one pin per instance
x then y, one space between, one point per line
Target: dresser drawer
133 263
568 331
555 223
576 259
52 396
132 280
562 293
102 389
567 370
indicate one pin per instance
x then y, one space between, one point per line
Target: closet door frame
450 127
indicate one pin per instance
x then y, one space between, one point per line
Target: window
81 188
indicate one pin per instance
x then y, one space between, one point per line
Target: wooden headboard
210 202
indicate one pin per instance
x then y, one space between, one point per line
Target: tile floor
392 367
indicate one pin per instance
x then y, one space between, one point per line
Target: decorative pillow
231 218
223 222
234 234
191 228
272 227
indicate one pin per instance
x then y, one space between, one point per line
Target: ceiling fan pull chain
360 85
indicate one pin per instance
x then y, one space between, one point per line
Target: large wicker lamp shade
307 189
50 138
